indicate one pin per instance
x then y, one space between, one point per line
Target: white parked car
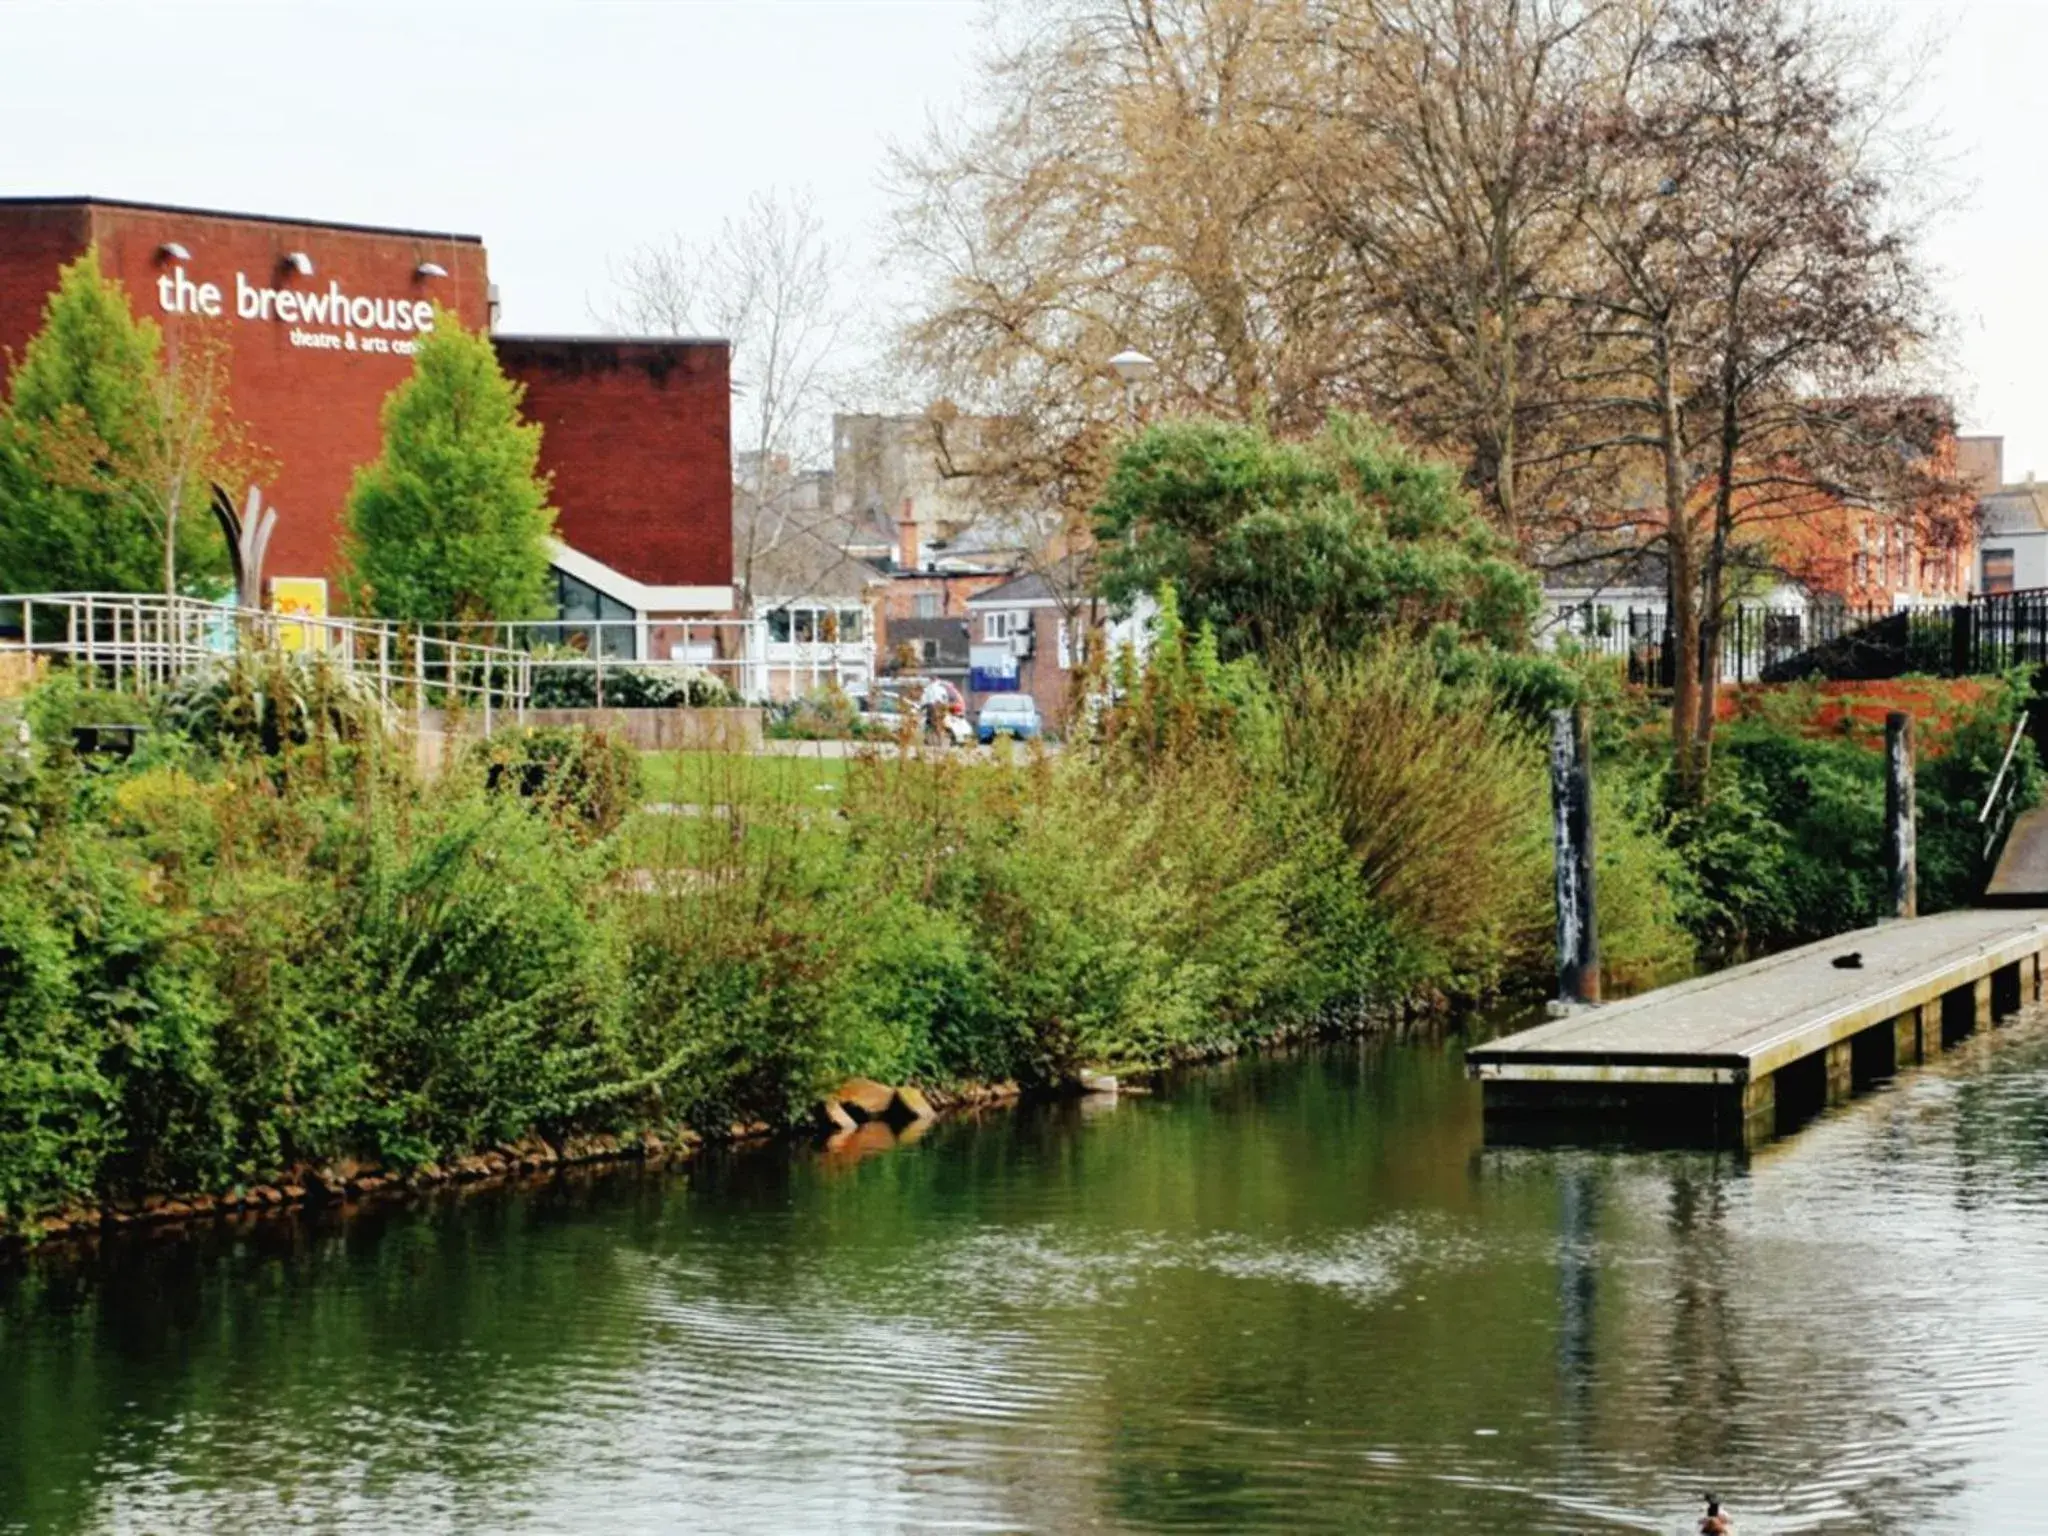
1008 714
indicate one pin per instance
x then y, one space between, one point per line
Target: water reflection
1292 1294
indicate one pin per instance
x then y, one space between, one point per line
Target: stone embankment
858 1117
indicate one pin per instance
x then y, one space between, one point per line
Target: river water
1286 1295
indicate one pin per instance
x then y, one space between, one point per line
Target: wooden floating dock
1749 1053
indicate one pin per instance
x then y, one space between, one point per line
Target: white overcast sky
566 134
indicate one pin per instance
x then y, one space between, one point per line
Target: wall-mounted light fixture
299 262
170 250
427 269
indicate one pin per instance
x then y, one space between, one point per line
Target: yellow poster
299 597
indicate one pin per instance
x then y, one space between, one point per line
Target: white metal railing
140 640
1997 799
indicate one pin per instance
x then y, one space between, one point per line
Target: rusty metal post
1571 803
1900 855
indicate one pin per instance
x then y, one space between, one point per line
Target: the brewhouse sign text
328 319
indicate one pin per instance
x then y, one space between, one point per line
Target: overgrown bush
825 715
1788 844
584 778
1439 796
265 944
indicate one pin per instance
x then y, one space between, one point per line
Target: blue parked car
1007 714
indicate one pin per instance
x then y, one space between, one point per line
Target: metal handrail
152 638
146 639
1998 786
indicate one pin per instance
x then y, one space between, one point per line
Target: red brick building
321 320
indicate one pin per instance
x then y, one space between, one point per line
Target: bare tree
767 285
1432 148
1121 186
194 442
1645 266
1748 294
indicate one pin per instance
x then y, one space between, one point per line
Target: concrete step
2021 879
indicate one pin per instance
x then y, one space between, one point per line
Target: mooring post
1571 803
1899 852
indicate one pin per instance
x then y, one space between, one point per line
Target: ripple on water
1394 1331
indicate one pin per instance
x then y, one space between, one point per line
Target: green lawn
724 778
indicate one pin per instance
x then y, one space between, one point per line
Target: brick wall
34 242
638 437
899 599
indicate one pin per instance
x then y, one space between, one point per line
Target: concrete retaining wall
649 730
666 730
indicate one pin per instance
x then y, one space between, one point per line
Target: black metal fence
1992 632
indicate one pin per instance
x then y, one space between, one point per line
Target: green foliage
1645 890
1788 845
257 949
586 780
451 523
476 981
54 1101
1440 798
1949 787
1340 539
826 715
84 463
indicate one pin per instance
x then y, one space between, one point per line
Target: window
806 625
1000 626
927 605
612 637
778 626
927 650
850 622
1066 647
1998 573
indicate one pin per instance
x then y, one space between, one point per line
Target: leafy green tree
1329 541
109 447
451 523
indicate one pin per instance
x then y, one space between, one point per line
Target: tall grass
1438 794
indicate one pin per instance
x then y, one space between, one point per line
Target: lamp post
1134 368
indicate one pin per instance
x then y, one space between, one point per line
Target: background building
320 321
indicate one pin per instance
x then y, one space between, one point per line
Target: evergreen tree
1332 540
451 523
108 450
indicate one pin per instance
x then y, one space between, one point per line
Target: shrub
267 701
55 1104
474 976
628 687
586 779
1346 538
827 715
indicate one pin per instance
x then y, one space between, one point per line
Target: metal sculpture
248 534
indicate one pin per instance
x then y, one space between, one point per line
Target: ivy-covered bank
264 946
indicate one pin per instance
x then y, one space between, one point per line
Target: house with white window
810 609
1033 633
2012 539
